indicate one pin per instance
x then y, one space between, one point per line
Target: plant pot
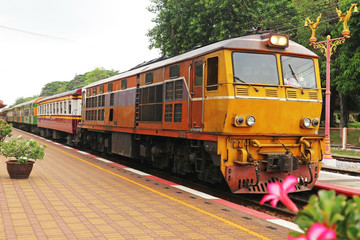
19 170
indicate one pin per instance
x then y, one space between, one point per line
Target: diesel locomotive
245 111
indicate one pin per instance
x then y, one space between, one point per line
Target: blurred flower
317 232
279 192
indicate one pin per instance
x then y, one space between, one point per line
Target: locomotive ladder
137 104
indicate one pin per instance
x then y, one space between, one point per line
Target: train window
175 71
95 115
179 89
88 92
123 84
99 115
149 78
69 107
103 100
212 73
111 115
198 73
101 89
255 68
168 112
102 114
169 91
110 87
99 101
94 91
112 99
95 101
177 112
61 107
298 72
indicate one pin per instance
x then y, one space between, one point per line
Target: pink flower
279 192
317 231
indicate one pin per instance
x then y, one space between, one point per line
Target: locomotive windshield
298 72
255 68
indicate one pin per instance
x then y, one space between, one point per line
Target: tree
51 88
20 100
78 81
98 74
182 25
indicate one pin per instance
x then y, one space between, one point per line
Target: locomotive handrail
256 143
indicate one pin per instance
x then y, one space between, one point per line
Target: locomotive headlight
239 120
315 122
306 122
278 40
250 121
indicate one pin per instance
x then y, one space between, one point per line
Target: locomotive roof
251 42
68 93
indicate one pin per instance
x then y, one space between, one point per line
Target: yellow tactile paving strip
70 196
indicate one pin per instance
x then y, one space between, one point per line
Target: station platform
71 194
341 183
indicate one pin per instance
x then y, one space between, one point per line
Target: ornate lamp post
327 48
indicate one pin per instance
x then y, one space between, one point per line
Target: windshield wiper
295 77
242 81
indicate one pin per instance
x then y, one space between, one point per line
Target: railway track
344 158
346 165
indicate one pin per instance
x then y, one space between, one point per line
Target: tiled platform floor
73 196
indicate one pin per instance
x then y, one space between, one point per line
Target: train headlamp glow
250 121
278 40
306 122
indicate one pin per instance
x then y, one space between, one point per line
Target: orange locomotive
244 110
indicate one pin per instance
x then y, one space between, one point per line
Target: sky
42 41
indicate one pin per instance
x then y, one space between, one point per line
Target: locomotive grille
291 94
242 91
313 95
271 93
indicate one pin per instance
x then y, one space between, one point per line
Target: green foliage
334 211
98 74
182 25
22 100
51 88
22 149
78 81
5 130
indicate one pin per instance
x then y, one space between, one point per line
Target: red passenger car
59 115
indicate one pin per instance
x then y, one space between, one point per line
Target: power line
35 34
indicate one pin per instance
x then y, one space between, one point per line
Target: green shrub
22 149
5 130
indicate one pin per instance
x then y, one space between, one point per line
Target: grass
348 153
354 125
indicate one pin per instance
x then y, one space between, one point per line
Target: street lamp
327 48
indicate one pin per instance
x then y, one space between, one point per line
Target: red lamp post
327 48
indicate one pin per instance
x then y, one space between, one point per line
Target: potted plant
5 130
22 153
